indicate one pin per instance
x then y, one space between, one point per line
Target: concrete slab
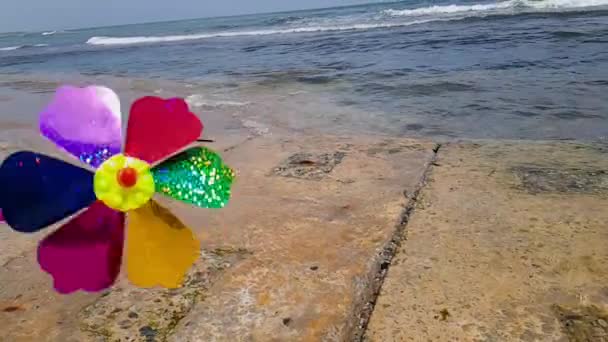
508 242
294 256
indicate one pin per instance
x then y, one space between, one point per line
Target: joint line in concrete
389 251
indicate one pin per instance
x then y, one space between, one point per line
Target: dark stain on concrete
535 180
148 333
309 166
583 324
12 308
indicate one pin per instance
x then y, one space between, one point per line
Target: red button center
127 177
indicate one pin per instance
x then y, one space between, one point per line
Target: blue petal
37 191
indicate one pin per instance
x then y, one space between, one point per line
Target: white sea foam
49 33
162 39
446 9
489 7
565 4
200 101
256 127
10 48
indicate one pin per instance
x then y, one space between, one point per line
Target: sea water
447 68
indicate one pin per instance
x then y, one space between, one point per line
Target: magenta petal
86 252
85 122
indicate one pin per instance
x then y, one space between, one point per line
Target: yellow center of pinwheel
124 183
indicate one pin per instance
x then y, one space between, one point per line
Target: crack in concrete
248 139
388 252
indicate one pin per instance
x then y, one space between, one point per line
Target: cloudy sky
18 15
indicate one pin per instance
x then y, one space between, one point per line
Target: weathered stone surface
288 259
503 234
132 314
586 323
309 166
575 180
316 244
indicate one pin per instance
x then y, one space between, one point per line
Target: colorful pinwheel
86 252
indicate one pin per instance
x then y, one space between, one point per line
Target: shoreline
280 102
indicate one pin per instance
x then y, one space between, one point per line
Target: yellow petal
160 249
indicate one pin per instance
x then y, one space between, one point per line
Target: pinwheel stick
205 140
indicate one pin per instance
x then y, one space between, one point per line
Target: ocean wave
564 4
488 7
284 20
11 48
396 19
49 33
163 39
446 9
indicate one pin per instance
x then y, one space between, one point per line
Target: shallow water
455 69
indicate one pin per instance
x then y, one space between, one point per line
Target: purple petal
85 122
86 252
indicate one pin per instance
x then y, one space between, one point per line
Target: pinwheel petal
86 252
85 122
37 191
158 128
160 248
196 176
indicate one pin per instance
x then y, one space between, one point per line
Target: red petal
158 128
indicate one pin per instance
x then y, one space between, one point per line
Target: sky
32 15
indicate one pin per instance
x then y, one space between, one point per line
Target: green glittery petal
196 176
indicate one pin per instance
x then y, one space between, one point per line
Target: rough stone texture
575 180
133 314
583 323
316 244
289 259
508 242
309 166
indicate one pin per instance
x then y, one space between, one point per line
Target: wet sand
485 240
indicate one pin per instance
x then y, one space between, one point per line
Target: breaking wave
11 48
447 9
388 18
162 39
489 7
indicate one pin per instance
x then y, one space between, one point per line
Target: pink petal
86 252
